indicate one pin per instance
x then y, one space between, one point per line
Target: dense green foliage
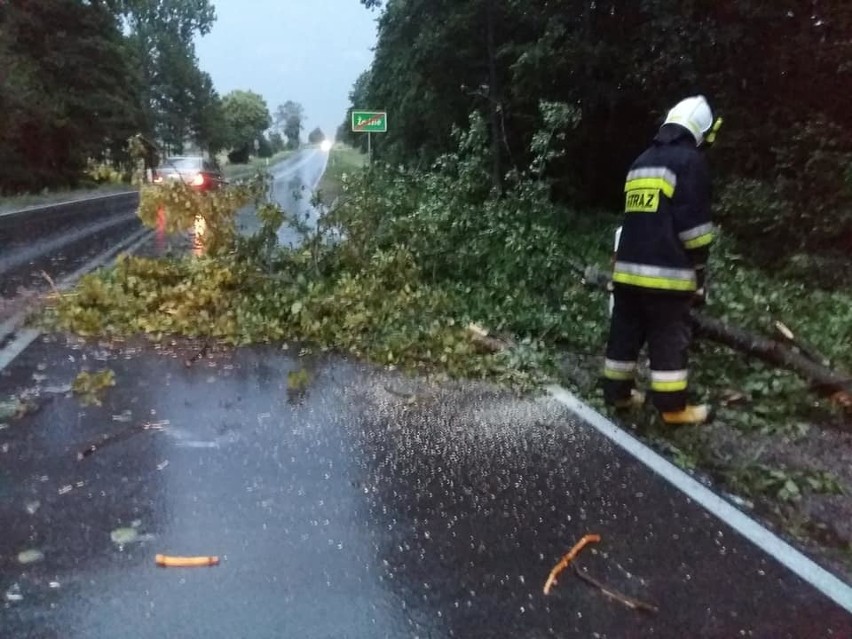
79 78
288 121
176 99
423 257
777 71
246 118
68 90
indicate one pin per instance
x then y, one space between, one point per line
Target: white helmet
693 114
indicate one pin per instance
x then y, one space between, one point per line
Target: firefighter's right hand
699 298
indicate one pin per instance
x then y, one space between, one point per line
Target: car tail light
198 180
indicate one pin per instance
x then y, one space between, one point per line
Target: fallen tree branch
487 342
799 345
198 355
567 559
826 381
630 602
52 283
114 438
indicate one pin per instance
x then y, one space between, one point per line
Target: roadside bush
806 208
105 173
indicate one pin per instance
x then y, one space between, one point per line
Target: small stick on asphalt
50 281
630 602
198 355
567 559
117 437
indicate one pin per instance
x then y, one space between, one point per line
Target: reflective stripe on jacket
667 228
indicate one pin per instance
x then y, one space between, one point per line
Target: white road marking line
289 170
25 337
321 173
774 546
48 205
17 346
131 244
28 254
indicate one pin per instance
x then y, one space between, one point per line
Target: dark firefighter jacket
667 229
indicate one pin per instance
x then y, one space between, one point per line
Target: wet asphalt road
366 505
294 181
58 249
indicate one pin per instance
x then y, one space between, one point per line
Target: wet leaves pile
383 314
378 305
89 386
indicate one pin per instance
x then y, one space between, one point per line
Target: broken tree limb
487 342
827 381
567 559
120 436
167 561
630 602
798 344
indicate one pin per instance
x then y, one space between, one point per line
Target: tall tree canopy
246 118
67 91
777 71
176 95
288 120
77 79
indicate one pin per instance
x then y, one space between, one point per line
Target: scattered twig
567 559
50 281
120 436
401 394
630 602
201 353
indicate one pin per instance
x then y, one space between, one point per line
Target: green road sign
369 121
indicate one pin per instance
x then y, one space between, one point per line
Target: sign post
370 122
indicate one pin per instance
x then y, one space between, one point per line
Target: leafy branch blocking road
406 259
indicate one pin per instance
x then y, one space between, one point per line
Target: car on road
192 170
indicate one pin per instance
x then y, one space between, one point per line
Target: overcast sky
309 51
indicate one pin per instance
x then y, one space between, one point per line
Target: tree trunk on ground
824 380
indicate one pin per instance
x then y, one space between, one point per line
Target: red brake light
198 180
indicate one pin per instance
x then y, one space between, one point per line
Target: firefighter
660 266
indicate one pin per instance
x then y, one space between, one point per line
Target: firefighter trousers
662 320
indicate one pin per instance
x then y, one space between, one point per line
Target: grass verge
342 161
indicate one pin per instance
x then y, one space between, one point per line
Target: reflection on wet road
364 505
28 250
293 183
